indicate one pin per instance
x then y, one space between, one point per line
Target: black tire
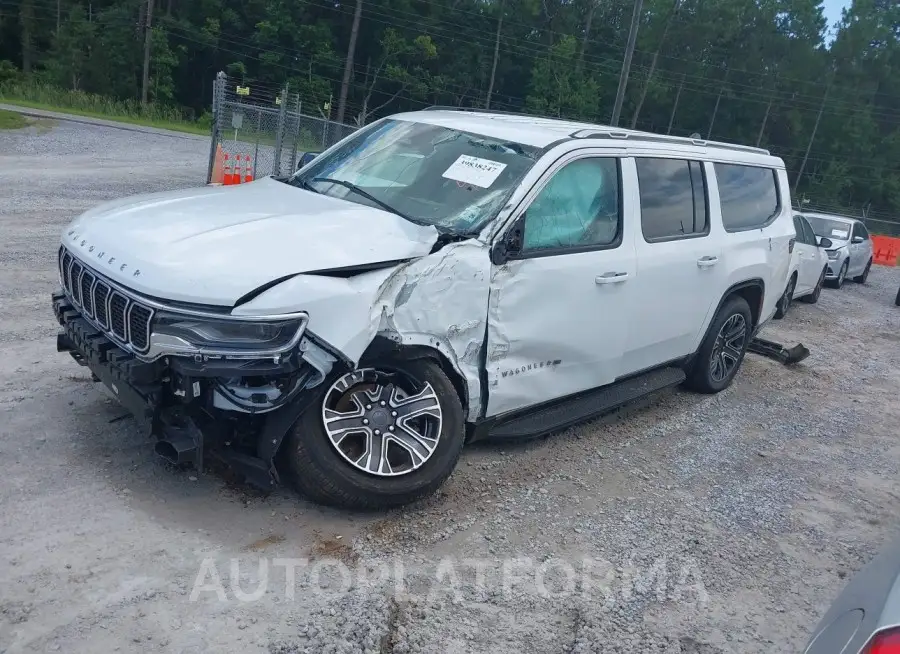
701 377
322 474
842 276
861 279
813 297
784 303
897 301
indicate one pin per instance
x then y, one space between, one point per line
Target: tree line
826 98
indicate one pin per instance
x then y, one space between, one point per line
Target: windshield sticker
839 233
474 170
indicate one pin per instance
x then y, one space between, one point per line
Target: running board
570 411
773 350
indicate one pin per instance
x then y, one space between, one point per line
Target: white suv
435 278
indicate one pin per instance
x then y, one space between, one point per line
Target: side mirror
510 245
858 239
305 158
825 242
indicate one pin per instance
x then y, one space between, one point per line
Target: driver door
557 316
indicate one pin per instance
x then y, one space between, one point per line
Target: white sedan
809 266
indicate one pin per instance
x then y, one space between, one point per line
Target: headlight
211 335
832 254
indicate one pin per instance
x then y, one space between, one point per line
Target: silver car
850 254
865 618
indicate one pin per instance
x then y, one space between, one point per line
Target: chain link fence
266 124
877 222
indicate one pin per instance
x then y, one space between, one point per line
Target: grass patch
12 120
50 98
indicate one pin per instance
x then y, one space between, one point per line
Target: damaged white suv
434 278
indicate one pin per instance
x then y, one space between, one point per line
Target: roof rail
438 107
613 133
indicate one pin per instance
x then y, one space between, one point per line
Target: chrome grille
123 317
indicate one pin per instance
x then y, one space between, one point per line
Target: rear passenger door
861 252
678 279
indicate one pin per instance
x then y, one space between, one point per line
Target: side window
578 208
860 230
798 228
749 196
673 198
810 235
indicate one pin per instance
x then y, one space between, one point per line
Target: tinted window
673 198
860 230
749 196
578 207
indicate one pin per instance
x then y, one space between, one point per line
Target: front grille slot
120 314
139 326
87 287
118 305
101 295
75 276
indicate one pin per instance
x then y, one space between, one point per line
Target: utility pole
145 82
675 104
348 62
626 64
762 128
487 102
640 104
57 18
712 121
812 136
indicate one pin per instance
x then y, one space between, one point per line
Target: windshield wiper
302 183
353 187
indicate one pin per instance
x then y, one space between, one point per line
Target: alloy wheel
382 423
729 347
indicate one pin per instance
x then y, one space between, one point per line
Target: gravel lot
692 524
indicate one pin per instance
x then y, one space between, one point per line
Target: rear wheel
381 436
722 351
861 279
842 276
784 304
813 297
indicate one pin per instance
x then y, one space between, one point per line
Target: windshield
829 228
432 175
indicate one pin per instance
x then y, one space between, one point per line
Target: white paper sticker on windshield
475 171
839 233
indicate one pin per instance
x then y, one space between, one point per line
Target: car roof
543 132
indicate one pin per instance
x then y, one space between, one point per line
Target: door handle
611 278
707 262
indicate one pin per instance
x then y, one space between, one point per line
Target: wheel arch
384 347
753 291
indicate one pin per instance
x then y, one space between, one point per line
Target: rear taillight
887 642
791 245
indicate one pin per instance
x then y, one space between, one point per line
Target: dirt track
696 524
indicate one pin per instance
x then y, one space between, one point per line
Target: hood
213 245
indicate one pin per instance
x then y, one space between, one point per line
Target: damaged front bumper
194 405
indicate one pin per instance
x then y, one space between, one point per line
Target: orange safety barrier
218 171
886 250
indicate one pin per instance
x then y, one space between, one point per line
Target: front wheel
861 279
722 351
842 276
897 301
381 436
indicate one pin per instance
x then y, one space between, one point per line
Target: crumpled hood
213 245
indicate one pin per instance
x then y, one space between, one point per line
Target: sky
833 10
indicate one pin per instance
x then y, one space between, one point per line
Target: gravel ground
688 524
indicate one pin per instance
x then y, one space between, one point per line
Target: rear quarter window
748 195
